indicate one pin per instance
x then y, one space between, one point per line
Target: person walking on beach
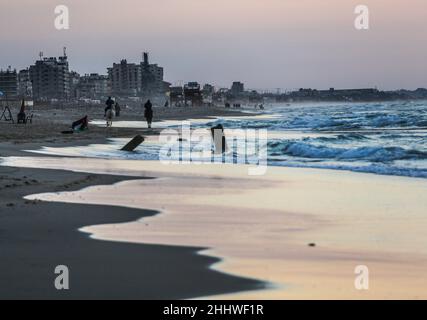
148 113
117 109
109 112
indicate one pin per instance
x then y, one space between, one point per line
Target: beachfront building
25 87
237 88
92 86
207 92
74 82
193 94
9 83
125 78
50 79
137 80
176 95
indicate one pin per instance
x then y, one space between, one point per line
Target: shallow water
382 138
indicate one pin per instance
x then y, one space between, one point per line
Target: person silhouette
148 113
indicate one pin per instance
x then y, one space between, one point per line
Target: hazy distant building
9 82
25 87
125 78
131 79
50 78
208 90
193 94
74 82
93 86
237 88
176 95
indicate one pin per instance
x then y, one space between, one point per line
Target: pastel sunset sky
265 43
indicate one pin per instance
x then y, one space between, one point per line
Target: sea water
387 138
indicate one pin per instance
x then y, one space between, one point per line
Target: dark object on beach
218 138
80 125
133 144
22 116
148 113
227 105
312 245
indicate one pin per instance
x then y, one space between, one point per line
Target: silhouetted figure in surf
148 113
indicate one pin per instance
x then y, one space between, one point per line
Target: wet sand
262 226
37 236
253 232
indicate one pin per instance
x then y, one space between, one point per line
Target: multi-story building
74 82
50 78
93 86
25 87
125 78
9 83
130 79
237 88
176 95
193 94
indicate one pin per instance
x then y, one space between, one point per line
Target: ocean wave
373 154
340 138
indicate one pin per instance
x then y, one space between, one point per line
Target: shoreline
259 227
37 236
343 239
29 273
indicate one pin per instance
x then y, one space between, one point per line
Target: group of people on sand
113 109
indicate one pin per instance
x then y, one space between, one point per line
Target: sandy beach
144 230
261 227
36 236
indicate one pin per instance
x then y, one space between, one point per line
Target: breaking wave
374 154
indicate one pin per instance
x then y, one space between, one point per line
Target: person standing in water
148 113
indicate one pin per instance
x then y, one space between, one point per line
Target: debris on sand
133 144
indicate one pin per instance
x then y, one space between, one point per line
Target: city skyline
284 45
